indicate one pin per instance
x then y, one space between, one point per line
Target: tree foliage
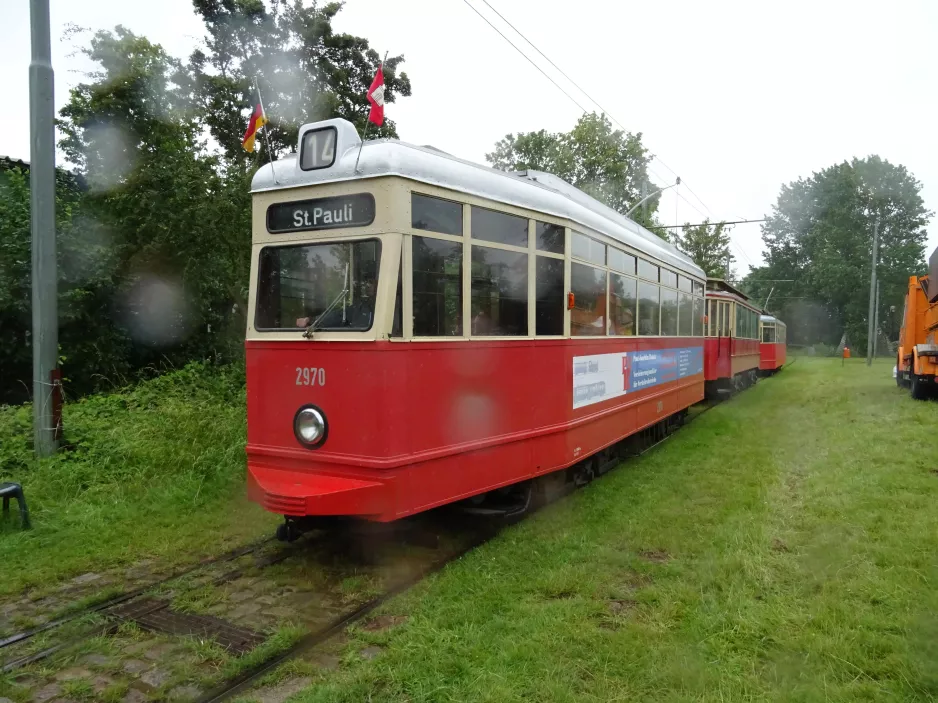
154 233
818 242
610 165
305 71
709 246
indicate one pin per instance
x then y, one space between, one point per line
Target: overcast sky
735 97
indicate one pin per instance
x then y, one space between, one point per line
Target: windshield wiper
311 327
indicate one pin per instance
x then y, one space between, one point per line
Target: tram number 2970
310 376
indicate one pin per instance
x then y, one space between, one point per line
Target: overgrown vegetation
780 548
154 229
156 470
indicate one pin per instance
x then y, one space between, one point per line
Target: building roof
532 190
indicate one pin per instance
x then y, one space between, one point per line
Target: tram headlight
309 426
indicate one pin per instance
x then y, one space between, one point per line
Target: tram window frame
698 288
668 278
668 315
615 328
685 309
416 197
496 330
684 284
484 227
578 270
549 243
648 268
648 286
587 249
459 322
625 263
260 307
699 313
312 134
549 313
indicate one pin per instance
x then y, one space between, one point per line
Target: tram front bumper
300 493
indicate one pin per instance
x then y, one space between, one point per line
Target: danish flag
376 98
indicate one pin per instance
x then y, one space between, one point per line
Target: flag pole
270 154
368 123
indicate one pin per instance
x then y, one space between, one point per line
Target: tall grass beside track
783 547
154 471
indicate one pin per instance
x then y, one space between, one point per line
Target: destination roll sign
357 210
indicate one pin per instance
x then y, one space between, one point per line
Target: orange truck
917 362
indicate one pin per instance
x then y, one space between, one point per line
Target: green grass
783 547
155 471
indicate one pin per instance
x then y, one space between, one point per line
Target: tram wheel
288 532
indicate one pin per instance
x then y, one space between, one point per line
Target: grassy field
153 472
783 547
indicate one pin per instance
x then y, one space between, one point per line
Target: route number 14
310 376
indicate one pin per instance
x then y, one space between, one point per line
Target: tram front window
333 285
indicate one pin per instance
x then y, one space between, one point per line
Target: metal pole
869 324
652 195
42 215
876 320
644 201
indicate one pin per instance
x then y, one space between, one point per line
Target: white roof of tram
532 190
769 318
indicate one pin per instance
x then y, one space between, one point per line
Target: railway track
139 605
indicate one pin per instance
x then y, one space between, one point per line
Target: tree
306 72
154 248
610 165
709 246
819 236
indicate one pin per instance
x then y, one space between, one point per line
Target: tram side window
649 308
685 315
740 321
588 317
668 278
435 214
437 294
499 227
622 304
588 249
549 237
684 284
333 285
768 334
698 288
499 292
647 270
548 279
620 261
698 316
668 312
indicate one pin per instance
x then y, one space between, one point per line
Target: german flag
258 120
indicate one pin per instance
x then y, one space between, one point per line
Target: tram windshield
333 285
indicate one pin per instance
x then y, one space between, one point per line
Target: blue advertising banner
600 377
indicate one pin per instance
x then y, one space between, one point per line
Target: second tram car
732 344
772 334
424 330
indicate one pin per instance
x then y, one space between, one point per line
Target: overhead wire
678 194
524 54
596 103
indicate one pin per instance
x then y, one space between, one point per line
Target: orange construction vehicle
917 362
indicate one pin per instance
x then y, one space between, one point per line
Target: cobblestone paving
280 601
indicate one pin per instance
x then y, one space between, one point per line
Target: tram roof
770 318
532 190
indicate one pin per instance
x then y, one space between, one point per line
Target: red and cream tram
772 333
732 344
424 330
